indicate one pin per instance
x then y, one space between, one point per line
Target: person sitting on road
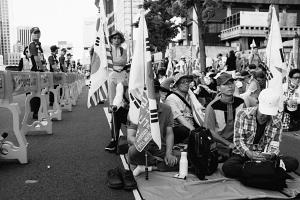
162 159
181 109
161 75
220 114
165 88
255 129
291 89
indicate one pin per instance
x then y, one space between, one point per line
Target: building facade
238 22
125 12
18 47
4 30
12 58
23 35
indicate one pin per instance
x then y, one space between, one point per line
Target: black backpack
202 152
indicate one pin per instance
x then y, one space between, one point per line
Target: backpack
202 152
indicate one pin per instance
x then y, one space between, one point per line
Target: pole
131 21
146 166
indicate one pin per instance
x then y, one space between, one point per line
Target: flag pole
146 166
145 74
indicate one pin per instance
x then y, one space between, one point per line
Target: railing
256 31
35 85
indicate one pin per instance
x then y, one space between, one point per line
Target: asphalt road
70 164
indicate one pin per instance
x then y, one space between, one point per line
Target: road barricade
35 85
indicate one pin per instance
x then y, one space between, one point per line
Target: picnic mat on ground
162 186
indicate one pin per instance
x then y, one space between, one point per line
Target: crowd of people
34 60
242 113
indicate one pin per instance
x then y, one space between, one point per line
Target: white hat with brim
269 100
267 110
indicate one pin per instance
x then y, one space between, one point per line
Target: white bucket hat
269 102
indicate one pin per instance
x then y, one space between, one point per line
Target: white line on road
136 194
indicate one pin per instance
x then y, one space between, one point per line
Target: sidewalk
70 164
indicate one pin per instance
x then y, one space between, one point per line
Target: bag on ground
264 175
202 152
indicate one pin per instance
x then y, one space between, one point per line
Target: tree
160 27
205 10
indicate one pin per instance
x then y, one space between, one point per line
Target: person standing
68 62
119 56
26 63
36 52
62 63
255 58
117 76
231 61
53 62
52 59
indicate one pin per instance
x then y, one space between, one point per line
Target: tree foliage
160 27
205 10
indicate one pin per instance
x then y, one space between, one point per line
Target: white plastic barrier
34 84
6 87
44 123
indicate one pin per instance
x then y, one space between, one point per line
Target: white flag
141 90
275 56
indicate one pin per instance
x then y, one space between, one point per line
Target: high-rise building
89 34
124 11
4 30
18 47
23 35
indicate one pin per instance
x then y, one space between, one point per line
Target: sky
58 20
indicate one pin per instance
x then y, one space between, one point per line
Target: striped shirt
245 127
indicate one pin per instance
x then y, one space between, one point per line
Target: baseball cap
35 30
54 48
269 102
224 78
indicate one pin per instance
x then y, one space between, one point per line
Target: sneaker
111 147
128 180
114 178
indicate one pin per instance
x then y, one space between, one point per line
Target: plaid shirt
245 129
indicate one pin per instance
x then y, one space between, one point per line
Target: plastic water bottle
183 165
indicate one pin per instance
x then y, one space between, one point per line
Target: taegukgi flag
141 90
274 53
